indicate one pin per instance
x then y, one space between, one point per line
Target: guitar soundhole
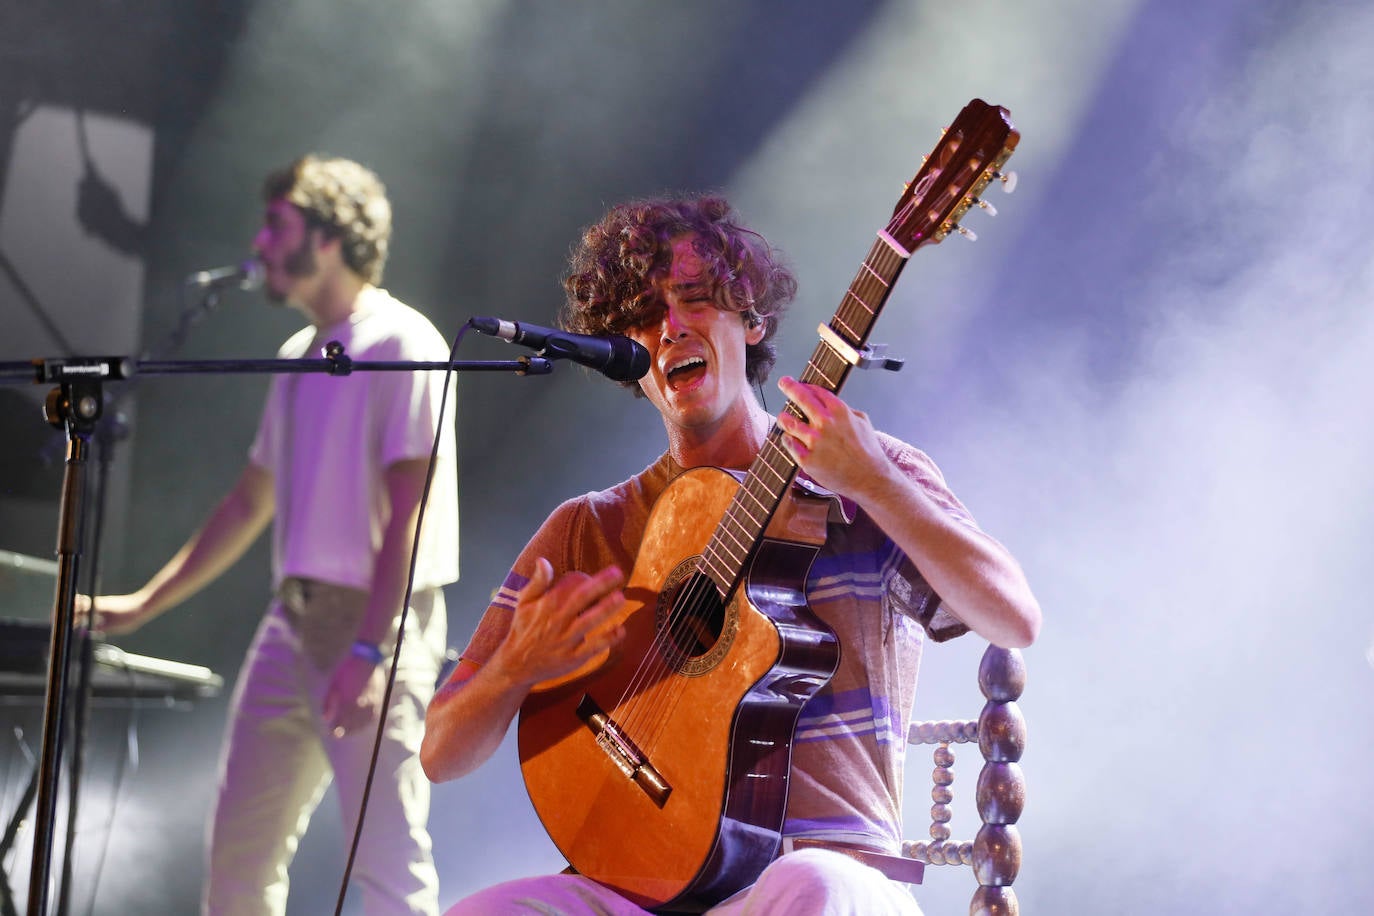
696 625
699 616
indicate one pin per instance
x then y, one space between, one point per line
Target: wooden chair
1000 733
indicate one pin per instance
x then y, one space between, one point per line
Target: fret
717 554
859 299
749 515
861 296
749 492
732 532
880 266
877 276
885 265
783 469
836 367
719 574
740 533
832 384
729 545
845 326
833 351
782 477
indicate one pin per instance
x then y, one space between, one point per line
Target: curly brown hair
612 271
344 199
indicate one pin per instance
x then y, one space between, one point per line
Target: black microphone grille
630 362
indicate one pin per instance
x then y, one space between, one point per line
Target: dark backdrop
1149 377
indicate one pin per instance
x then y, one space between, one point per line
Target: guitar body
663 774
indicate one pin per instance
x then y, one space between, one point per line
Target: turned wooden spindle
1000 731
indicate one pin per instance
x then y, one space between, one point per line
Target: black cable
16 822
31 299
126 768
78 701
400 629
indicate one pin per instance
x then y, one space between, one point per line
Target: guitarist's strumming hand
556 628
835 445
560 626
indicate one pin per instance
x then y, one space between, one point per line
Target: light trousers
279 758
808 882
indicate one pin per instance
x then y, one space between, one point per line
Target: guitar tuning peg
1008 180
967 233
989 208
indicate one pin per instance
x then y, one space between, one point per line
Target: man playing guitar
898 559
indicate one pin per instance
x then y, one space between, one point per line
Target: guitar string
646 704
646 708
649 709
774 458
646 719
702 597
652 669
642 701
699 598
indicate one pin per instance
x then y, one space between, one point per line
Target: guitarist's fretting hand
976 578
558 626
836 445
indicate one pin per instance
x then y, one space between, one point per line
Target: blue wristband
367 651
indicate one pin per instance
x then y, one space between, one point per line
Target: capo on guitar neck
872 356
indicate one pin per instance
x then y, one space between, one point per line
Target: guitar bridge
622 752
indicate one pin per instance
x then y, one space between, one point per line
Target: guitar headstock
969 156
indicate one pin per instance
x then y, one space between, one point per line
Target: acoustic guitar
662 770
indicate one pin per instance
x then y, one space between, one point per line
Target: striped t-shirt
850 742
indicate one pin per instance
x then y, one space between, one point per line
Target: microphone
247 275
617 357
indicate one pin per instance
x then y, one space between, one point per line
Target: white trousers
279 757
808 882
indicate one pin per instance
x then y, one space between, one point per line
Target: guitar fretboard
773 469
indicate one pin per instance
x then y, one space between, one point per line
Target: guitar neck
773 470
968 157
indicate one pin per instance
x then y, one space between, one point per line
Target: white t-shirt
344 432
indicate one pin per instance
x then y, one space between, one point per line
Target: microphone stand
75 405
193 314
111 428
